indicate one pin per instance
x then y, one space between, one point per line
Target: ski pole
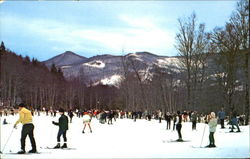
203 134
7 140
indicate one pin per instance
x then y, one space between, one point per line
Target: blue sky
43 29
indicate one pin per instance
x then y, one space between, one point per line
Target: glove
15 126
53 122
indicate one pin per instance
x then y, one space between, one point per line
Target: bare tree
191 45
240 21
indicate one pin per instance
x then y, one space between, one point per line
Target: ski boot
21 152
57 146
64 146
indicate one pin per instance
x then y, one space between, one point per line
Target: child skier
63 127
86 121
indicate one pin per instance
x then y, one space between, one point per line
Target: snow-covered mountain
109 69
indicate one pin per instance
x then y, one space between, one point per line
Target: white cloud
142 34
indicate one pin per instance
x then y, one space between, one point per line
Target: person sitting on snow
63 127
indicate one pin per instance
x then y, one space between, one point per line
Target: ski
15 153
170 141
58 148
199 147
233 132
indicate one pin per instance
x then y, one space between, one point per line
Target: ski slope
124 139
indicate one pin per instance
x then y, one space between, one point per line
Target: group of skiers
25 117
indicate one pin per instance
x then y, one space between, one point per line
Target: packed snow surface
124 139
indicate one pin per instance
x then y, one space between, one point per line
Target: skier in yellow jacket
25 117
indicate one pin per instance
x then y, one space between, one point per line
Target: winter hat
212 114
21 105
61 110
85 113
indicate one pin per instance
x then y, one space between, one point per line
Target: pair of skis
14 153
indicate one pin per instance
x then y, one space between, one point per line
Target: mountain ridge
106 66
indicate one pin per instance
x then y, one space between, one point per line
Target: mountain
109 69
66 58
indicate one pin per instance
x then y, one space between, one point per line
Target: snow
97 64
124 139
113 80
63 67
173 61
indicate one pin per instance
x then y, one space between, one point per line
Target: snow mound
97 64
113 80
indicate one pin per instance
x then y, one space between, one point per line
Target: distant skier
194 120
86 121
222 115
5 121
71 115
178 125
168 118
110 116
25 118
234 121
174 120
212 123
63 127
160 115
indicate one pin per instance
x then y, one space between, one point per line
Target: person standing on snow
63 127
25 118
212 123
234 121
70 113
86 121
178 125
168 118
194 120
222 115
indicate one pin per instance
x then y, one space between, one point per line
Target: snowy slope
125 139
102 67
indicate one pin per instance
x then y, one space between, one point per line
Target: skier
222 115
25 118
71 115
212 123
174 120
63 127
86 121
168 119
194 120
234 121
160 115
5 121
178 125
110 116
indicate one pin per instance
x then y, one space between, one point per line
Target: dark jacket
63 123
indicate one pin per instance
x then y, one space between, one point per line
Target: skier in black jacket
178 126
63 127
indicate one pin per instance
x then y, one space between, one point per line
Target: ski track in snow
124 139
